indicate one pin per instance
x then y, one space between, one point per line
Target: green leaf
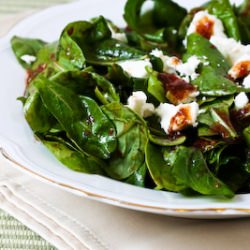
110 51
243 16
210 83
88 83
77 161
212 80
69 54
37 115
138 177
224 11
132 137
190 169
156 27
97 46
216 117
45 65
165 14
208 54
160 169
76 116
26 46
161 141
246 134
156 88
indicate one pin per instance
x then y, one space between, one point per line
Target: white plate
19 146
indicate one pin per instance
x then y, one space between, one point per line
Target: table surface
13 234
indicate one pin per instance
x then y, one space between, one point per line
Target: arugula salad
162 103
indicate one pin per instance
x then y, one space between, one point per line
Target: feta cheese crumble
173 65
230 48
187 70
175 118
138 103
246 82
136 68
28 58
241 100
204 22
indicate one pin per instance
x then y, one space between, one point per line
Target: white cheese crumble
138 103
174 119
173 65
28 58
187 70
246 82
218 29
136 68
230 48
241 100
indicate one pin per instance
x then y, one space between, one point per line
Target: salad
162 103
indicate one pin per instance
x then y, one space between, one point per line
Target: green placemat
14 235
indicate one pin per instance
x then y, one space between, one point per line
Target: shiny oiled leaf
81 118
132 138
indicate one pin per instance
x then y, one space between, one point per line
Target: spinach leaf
88 83
26 46
37 115
86 125
210 84
246 134
45 65
132 137
168 13
224 11
122 82
69 54
156 27
190 169
202 48
160 169
97 46
243 16
231 169
164 141
212 80
77 161
165 14
156 88
217 117
138 177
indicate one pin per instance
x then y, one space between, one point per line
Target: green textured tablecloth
13 234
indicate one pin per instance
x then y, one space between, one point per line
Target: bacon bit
205 27
240 70
181 119
178 90
31 74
